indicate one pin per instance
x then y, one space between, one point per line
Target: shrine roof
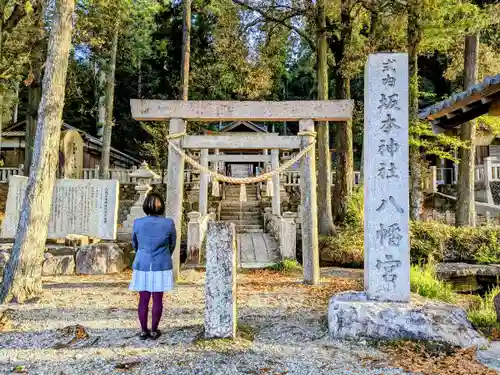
463 106
19 130
250 126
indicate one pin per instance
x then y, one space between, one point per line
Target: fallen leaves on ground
495 334
492 333
127 365
77 334
435 359
321 294
277 285
272 281
6 320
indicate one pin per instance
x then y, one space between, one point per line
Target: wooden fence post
448 218
488 219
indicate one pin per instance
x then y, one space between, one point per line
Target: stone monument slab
387 253
220 284
84 207
71 146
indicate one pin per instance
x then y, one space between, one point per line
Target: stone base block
58 265
100 259
57 250
352 315
76 240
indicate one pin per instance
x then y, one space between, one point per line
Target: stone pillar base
352 315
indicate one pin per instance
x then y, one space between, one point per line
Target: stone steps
237 197
230 215
236 220
247 226
248 230
242 204
236 210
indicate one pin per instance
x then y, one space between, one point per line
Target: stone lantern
144 176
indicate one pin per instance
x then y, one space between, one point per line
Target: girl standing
153 239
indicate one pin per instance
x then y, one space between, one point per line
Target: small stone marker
72 150
220 284
84 207
387 254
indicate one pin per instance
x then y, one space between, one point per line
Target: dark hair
153 205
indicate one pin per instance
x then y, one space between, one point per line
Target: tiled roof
455 99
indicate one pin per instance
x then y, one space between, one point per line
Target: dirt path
283 326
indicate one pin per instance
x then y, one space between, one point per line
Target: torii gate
306 112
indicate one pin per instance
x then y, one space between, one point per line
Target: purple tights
144 298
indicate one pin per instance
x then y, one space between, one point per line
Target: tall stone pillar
265 152
204 183
215 183
175 188
386 189
275 162
310 252
220 284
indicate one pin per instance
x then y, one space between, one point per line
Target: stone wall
124 210
94 259
128 193
495 191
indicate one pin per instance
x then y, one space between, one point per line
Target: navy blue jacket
153 239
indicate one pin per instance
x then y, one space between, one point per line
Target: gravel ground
286 319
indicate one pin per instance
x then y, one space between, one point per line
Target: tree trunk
37 58
110 95
186 51
345 166
2 10
139 79
465 209
22 276
34 97
344 175
325 217
15 115
101 101
414 38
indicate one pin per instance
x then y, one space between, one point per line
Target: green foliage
344 249
489 252
157 148
423 281
443 242
428 240
484 315
286 266
355 207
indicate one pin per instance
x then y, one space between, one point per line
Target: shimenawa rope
244 180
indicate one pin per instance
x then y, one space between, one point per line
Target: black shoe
155 334
144 335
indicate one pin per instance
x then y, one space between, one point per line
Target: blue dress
153 239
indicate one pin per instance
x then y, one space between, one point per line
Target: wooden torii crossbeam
161 110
